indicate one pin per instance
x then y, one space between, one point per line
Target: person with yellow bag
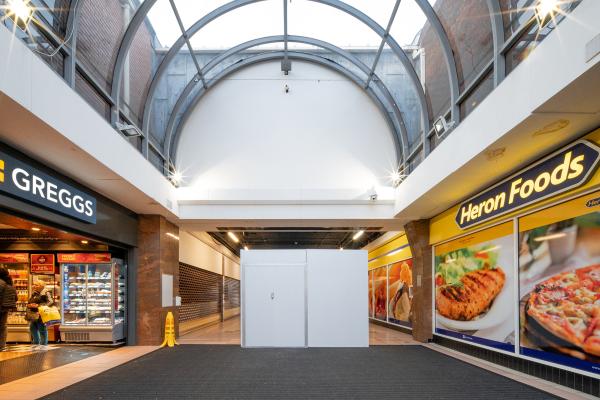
39 298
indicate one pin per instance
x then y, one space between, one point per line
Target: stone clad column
158 254
417 233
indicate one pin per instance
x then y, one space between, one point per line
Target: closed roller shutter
200 292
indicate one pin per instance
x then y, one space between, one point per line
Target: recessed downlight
84 242
36 229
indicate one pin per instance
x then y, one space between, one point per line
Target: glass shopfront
526 283
78 248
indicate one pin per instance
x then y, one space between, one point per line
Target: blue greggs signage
563 170
28 183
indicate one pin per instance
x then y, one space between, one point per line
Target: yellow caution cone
169 331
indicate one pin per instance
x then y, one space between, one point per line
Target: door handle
272 295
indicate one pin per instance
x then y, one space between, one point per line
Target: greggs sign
563 170
26 182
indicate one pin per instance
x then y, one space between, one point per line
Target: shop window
156 160
469 29
477 96
91 95
100 30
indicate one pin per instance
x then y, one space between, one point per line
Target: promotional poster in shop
391 293
529 285
475 286
559 283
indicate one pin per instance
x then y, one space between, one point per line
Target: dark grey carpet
229 372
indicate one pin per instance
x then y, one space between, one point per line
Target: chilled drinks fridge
93 297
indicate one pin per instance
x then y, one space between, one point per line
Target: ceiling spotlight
128 130
441 126
35 229
358 234
246 248
545 11
341 248
84 242
233 237
21 12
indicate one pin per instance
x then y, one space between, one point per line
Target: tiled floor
228 332
22 360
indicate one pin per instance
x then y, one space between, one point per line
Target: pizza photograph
559 287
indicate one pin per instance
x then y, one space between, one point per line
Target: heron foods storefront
525 255
77 243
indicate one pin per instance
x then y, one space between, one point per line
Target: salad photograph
474 288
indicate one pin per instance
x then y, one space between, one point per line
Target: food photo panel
559 284
400 292
475 287
380 293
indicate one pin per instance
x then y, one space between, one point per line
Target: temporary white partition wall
304 298
337 293
273 295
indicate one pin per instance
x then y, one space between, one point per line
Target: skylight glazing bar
187 42
498 37
285 66
382 44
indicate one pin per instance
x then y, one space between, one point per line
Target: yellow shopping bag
50 315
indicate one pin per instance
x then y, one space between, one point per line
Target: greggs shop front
75 243
516 268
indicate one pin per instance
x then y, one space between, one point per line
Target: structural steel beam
269 56
71 33
398 126
498 37
187 42
382 44
224 9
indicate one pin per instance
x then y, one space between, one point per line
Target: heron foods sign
563 170
23 181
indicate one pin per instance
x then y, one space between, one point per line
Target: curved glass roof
144 64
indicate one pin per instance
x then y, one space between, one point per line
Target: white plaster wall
195 252
247 133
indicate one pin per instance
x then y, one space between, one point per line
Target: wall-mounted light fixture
441 126
128 130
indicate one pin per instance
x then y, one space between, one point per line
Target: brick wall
100 32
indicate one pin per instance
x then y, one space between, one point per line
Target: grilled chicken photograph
471 296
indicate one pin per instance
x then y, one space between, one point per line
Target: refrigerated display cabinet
18 268
93 298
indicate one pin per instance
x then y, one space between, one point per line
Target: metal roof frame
385 100
265 57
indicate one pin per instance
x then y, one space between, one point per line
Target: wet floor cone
169 331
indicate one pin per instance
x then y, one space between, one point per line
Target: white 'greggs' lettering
570 168
37 186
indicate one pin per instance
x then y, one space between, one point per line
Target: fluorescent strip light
550 237
169 234
233 237
358 234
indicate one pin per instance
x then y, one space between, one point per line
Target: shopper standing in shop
8 298
39 332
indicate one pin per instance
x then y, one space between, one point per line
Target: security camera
372 194
286 88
